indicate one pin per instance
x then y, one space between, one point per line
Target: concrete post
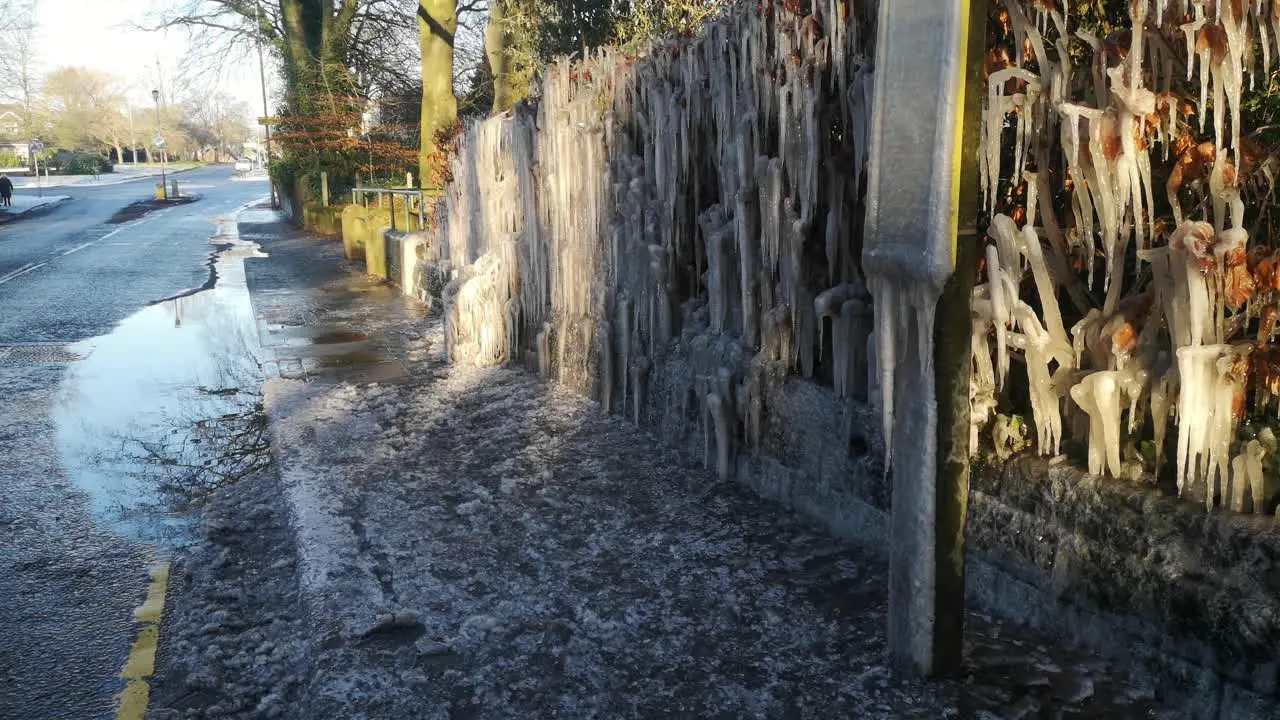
923 152
324 188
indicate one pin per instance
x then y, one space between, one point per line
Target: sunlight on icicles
1163 328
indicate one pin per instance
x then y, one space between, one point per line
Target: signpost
159 143
36 147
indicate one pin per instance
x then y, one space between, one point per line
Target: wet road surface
112 361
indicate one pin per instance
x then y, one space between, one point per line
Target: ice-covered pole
923 160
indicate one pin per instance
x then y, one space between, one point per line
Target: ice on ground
558 561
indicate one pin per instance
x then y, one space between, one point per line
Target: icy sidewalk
22 204
480 543
483 544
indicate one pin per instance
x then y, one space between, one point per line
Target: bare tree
375 39
217 121
86 109
19 76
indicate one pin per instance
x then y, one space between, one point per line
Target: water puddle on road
168 406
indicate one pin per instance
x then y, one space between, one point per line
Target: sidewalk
122 174
478 542
22 204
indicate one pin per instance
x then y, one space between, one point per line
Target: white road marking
19 273
77 248
82 246
16 272
31 267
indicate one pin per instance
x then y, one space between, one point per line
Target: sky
99 34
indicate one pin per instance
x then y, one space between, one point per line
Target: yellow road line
131 703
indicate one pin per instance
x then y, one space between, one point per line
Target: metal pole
919 266
39 185
133 138
266 112
164 181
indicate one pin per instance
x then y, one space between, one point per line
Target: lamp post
164 182
35 148
266 110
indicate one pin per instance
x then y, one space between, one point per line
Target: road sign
158 141
268 121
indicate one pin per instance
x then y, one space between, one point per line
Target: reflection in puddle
168 406
336 337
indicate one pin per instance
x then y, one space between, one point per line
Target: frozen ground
122 174
235 643
24 203
479 543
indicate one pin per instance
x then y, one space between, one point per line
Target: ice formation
1047 352
1169 337
640 201
702 194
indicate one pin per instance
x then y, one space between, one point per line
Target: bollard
324 188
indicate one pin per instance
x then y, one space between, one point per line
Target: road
89 351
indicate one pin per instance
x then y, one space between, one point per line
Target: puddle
168 406
334 337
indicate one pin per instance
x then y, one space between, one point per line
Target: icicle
717 233
1099 81
1206 420
1255 452
639 387
605 349
998 106
720 421
1098 394
885 303
1036 344
982 383
1160 406
544 350
999 312
829 302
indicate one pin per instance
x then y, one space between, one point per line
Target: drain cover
36 354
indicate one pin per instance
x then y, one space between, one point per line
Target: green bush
11 160
80 164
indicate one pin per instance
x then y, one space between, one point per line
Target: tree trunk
497 46
119 154
303 40
437 23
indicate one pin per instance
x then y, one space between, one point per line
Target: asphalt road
82 337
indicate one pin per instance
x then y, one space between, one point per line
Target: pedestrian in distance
6 190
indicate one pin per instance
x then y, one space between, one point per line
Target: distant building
11 134
10 124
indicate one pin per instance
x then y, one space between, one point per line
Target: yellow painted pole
921 199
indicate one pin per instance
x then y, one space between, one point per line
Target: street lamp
164 182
